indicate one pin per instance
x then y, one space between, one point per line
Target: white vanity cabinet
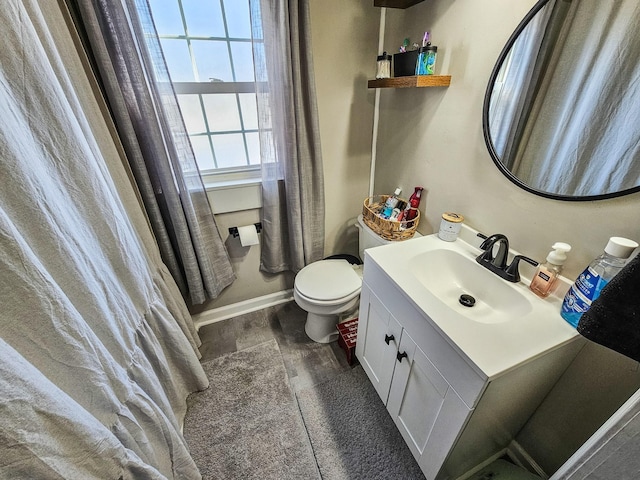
451 415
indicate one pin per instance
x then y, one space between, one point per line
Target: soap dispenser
546 274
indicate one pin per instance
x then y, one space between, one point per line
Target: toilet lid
328 280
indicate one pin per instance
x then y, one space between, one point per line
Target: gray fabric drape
97 349
292 174
126 51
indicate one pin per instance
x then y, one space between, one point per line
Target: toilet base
321 328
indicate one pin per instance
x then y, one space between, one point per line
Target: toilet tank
367 238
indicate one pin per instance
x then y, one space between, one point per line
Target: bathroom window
208 49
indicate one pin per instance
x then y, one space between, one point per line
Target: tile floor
308 363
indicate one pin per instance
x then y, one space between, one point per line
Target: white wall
433 137
345 37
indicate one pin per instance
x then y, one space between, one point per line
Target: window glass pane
253 146
166 16
202 151
242 61
178 60
212 60
192 113
229 150
238 20
249 110
204 18
222 112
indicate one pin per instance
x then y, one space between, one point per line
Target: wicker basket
387 229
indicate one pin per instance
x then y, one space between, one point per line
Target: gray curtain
125 50
97 348
292 175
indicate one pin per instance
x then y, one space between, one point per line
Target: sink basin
448 274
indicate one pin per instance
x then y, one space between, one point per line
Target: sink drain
467 300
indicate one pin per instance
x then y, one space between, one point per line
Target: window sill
233 195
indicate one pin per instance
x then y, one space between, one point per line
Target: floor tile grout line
308 436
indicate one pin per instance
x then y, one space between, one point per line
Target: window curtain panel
97 348
125 49
292 174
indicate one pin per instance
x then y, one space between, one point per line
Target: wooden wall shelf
412 81
395 3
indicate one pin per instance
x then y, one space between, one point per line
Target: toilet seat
327 303
318 283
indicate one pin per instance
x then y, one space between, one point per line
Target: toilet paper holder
233 231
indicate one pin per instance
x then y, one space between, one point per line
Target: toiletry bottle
589 283
426 62
546 274
390 204
383 66
411 211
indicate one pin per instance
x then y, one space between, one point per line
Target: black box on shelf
404 64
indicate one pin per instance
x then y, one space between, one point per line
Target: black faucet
500 260
498 264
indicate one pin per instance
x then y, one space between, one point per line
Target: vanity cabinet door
378 336
424 407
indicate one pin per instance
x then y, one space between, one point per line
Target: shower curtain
97 350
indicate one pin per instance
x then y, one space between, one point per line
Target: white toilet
329 290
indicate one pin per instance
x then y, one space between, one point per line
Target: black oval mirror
561 108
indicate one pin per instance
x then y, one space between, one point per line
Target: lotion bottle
546 274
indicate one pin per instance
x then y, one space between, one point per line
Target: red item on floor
347 336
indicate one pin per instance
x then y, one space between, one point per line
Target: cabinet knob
400 356
388 338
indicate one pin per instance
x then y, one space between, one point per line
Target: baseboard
246 306
520 457
480 466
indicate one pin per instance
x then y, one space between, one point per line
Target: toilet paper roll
248 235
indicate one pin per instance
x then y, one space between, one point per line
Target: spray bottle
411 211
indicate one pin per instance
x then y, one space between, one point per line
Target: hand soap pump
546 274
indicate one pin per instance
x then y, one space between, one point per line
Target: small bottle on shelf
383 66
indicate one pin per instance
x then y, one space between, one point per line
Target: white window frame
223 178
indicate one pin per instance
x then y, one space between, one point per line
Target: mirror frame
487 134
